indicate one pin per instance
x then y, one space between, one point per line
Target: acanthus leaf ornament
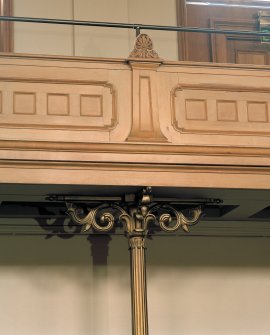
137 221
90 219
135 217
144 48
181 220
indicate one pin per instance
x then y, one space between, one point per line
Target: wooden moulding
134 148
126 174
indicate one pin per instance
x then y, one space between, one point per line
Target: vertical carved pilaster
6 28
144 62
145 114
138 286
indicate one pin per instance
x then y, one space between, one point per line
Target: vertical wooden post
6 28
138 285
145 113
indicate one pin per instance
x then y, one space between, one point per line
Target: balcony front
106 121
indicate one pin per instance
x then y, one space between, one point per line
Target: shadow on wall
38 250
161 251
209 251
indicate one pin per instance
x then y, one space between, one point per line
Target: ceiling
241 213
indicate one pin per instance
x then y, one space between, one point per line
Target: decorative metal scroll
135 217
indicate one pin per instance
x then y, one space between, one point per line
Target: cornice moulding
127 147
165 63
118 166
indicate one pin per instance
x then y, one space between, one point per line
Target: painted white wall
93 41
49 286
198 286
101 42
207 286
43 38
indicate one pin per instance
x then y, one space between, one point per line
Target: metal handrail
135 26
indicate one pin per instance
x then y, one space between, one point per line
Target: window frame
6 28
243 3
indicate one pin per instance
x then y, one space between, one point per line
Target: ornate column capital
137 243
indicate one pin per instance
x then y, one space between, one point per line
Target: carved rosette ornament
143 48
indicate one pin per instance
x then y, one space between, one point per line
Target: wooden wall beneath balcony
141 122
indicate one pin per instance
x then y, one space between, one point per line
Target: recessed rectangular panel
216 109
63 105
227 110
146 112
251 57
91 105
196 109
24 103
57 104
257 111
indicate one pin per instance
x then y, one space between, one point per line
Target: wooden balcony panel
133 122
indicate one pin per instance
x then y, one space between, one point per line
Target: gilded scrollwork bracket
134 216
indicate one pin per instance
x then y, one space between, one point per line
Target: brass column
138 286
135 213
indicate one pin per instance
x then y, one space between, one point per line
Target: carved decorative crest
143 48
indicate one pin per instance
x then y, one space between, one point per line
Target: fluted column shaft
138 286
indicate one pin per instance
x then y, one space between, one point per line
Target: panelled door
224 48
